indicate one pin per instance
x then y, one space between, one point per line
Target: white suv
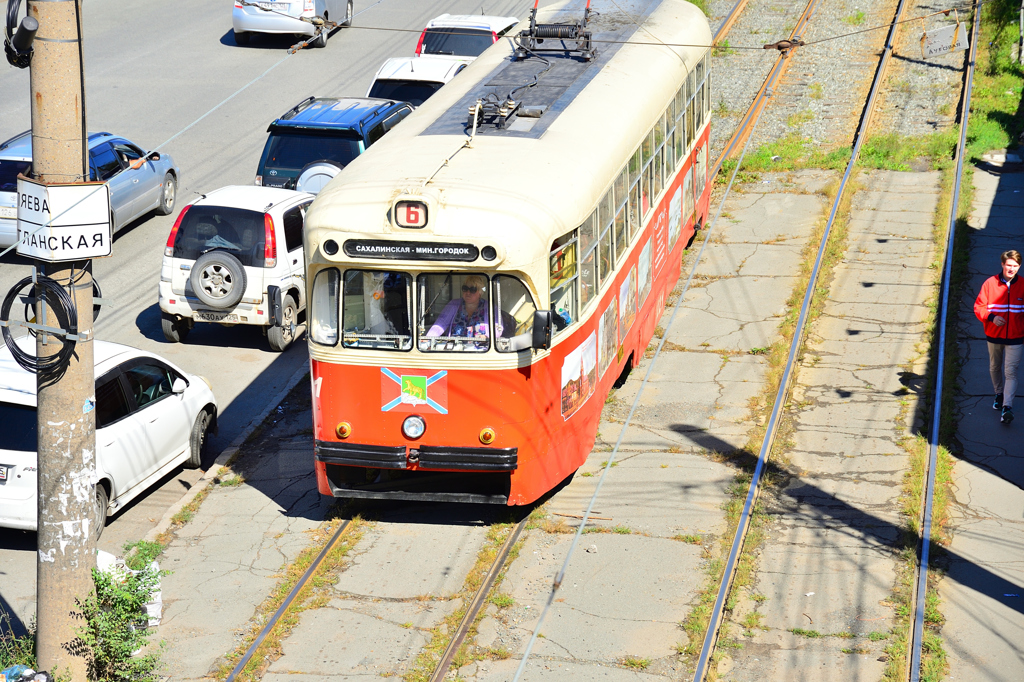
234 256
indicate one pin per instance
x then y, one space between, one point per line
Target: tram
481 277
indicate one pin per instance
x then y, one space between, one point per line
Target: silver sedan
139 181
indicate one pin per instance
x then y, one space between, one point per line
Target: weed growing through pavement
690 539
636 663
816 91
813 634
15 650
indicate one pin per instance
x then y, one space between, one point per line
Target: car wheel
102 502
348 15
218 279
282 335
320 39
241 38
170 190
175 330
198 440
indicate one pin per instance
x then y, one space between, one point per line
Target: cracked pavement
983 590
829 562
659 513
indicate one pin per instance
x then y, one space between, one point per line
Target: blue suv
318 137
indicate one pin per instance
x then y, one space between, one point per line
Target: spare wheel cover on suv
218 279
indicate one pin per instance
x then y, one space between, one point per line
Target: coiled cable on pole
63 308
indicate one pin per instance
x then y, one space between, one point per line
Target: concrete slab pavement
829 564
983 590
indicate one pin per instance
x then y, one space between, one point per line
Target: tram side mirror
542 320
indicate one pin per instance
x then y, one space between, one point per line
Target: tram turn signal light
487 436
344 430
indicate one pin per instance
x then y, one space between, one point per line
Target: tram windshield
375 310
453 312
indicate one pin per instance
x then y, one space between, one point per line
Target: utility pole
66 403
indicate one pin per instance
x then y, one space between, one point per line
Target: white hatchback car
234 256
462 35
151 417
413 80
287 16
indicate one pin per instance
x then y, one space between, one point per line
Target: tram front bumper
430 458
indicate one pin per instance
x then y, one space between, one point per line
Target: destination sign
395 250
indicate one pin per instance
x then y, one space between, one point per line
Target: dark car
318 137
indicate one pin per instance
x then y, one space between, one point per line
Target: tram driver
468 316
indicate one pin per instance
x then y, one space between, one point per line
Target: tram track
779 402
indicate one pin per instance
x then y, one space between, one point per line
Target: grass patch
442 634
313 595
15 650
141 553
996 118
812 634
636 663
877 636
855 19
689 538
502 600
897 152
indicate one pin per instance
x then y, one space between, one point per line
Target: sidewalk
983 591
828 567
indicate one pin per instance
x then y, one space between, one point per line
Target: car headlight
413 427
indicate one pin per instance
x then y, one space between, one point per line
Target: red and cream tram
481 277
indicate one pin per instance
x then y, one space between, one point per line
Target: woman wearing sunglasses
466 316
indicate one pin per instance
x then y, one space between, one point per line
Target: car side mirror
154 156
179 386
542 320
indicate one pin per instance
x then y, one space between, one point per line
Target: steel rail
478 602
743 524
917 636
781 65
287 602
726 25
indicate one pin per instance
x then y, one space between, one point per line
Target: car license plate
3 473
274 5
8 212
217 317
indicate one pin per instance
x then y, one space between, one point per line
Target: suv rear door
294 218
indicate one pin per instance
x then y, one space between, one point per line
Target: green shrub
115 626
15 650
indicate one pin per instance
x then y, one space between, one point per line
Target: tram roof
546 179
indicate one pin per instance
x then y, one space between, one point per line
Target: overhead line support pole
66 415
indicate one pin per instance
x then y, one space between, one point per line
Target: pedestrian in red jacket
1000 307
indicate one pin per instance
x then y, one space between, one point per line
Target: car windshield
413 92
19 427
9 173
375 310
236 230
464 42
293 151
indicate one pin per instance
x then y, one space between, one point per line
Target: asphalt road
169 76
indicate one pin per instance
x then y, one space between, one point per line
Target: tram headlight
330 247
414 427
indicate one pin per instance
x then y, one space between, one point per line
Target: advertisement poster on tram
627 304
702 169
608 333
579 376
644 272
687 196
675 216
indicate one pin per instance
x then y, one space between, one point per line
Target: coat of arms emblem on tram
420 392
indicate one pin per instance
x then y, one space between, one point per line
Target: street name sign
944 40
63 222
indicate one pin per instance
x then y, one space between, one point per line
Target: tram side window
454 313
588 260
323 308
681 122
635 216
690 90
563 280
513 314
375 310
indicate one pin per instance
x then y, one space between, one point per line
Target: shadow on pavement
828 510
